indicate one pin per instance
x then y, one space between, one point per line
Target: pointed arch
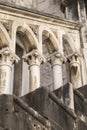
4 37
26 30
69 43
54 45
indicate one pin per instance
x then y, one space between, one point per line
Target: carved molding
56 58
74 58
7 24
8 57
33 58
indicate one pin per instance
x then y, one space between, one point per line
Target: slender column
34 59
7 58
56 60
75 68
81 11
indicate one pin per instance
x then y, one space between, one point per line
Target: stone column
34 59
56 60
7 58
81 11
75 68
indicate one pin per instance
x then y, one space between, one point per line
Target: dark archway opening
46 68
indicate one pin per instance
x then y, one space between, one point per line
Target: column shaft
5 76
57 76
34 59
56 60
34 74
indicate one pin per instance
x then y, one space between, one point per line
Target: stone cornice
34 14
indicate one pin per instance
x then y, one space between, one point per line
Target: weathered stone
60 26
15 114
65 94
48 105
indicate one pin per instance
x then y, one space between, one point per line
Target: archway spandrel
4 36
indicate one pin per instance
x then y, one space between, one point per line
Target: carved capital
74 58
8 57
33 58
75 70
56 58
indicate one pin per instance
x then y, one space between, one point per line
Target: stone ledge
32 12
49 106
32 112
68 110
13 108
80 95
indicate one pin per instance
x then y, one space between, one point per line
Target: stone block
83 90
49 106
65 94
16 115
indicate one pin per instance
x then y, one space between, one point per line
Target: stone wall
47 6
56 107
16 115
43 110
48 105
68 10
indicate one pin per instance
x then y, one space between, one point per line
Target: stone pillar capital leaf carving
56 58
34 58
74 58
8 57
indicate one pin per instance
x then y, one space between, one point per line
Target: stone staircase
45 110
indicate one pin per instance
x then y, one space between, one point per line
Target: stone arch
49 46
71 68
27 31
68 49
4 37
25 41
69 44
54 45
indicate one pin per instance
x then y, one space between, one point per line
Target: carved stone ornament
74 58
8 57
34 57
56 58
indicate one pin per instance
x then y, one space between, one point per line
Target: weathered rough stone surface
47 6
25 3
64 94
15 115
81 125
80 106
83 90
5 111
42 101
53 7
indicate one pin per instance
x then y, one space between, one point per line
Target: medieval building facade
43 43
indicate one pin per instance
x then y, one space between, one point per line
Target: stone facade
44 43
41 41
